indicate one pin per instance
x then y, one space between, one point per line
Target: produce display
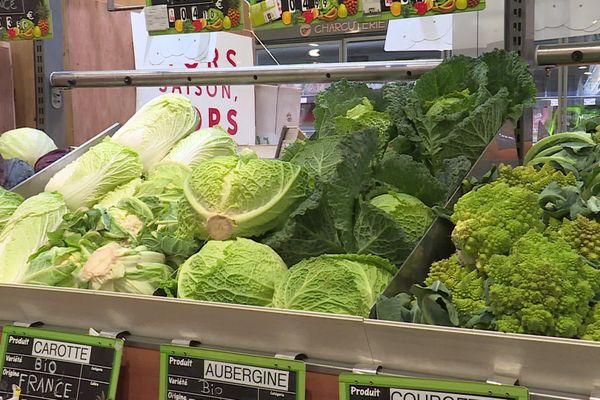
162 208
23 152
527 252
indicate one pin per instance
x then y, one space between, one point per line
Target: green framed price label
375 387
188 373
44 364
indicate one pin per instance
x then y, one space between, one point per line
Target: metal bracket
186 342
371 369
28 324
290 355
57 98
109 334
503 380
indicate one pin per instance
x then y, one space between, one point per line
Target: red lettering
231 114
191 66
198 91
214 117
226 91
214 62
176 88
230 57
212 93
163 89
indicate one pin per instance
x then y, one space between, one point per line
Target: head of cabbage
241 196
237 271
9 202
413 216
157 126
26 144
338 284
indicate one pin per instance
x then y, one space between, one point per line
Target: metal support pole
519 36
48 57
568 54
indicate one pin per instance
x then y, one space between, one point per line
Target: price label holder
377 387
45 364
202 374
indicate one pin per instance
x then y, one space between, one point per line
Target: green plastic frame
97 341
434 385
244 359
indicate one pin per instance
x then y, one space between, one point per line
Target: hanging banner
165 17
376 387
25 20
316 17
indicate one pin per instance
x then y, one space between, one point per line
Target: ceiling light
314 44
587 73
583 67
314 53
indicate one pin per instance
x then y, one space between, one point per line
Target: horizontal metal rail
319 73
568 54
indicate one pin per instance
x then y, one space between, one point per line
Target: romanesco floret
465 284
591 328
582 234
542 287
489 220
536 180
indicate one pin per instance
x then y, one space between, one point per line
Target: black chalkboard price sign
44 364
201 374
25 20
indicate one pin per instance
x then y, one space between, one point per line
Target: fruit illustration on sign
215 19
226 23
308 16
42 12
198 25
286 17
12 33
37 32
396 8
351 6
421 7
179 26
26 28
461 4
342 11
446 7
473 3
328 10
233 11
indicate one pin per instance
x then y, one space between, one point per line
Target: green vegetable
229 197
101 169
124 191
157 127
360 117
591 328
542 287
532 178
338 284
200 146
119 269
26 144
26 231
9 202
465 283
574 152
238 271
582 234
413 216
57 266
165 182
489 220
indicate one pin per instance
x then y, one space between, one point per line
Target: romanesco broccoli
591 328
542 287
490 219
465 284
582 234
536 180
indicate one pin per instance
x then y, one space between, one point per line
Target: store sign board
193 16
25 20
201 374
46 364
375 387
347 16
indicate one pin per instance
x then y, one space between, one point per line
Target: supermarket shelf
322 73
36 183
554 368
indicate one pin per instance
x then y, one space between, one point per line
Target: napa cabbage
157 126
89 178
26 231
338 284
26 144
238 271
200 146
228 197
9 202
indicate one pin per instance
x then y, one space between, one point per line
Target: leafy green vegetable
200 146
413 216
57 266
124 191
360 117
157 127
119 269
165 182
239 271
542 287
582 234
27 230
101 169
9 202
229 197
339 284
26 144
534 179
